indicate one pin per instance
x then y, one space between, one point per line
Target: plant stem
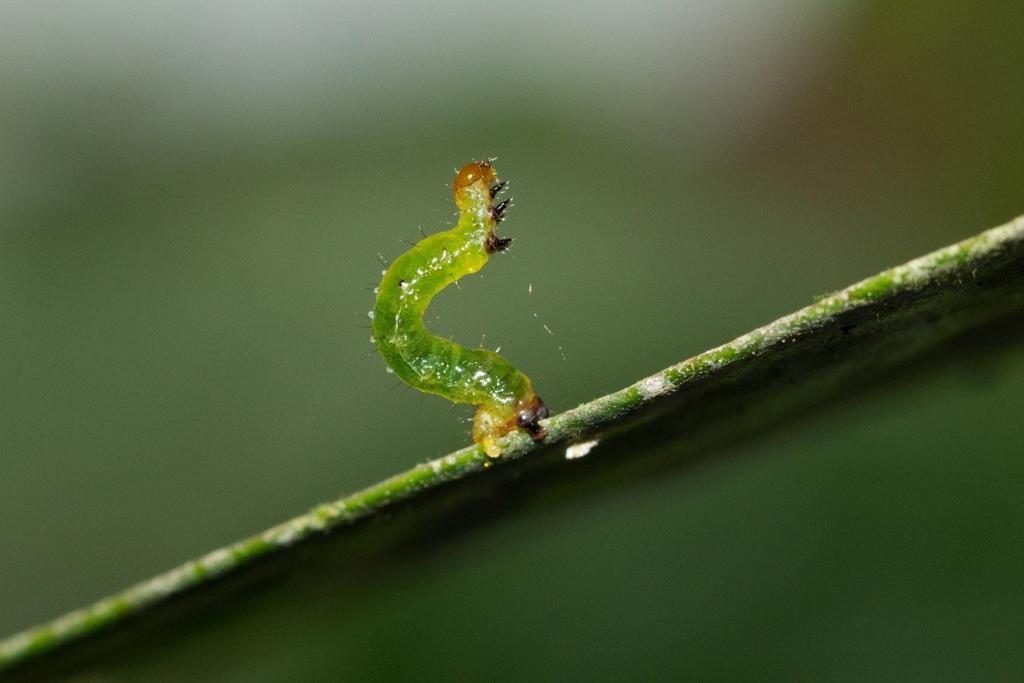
827 346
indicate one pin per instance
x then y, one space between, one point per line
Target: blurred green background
192 199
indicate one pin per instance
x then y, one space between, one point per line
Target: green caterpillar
504 396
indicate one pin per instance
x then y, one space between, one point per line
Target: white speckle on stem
216 561
650 387
287 536
578 450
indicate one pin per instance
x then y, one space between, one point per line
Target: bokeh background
192 199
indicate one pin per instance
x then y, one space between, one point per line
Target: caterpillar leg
495 243
529 412
492 422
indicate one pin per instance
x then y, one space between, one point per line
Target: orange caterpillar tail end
492 422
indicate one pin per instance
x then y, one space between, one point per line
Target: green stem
826 346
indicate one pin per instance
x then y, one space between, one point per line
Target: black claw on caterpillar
495 243
499 209
529 413
498 187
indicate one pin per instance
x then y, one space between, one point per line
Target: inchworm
504 395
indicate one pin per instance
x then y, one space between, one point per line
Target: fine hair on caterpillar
503 395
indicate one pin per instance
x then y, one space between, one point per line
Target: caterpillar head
473 172
475 186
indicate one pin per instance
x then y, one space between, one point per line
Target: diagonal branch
828 348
